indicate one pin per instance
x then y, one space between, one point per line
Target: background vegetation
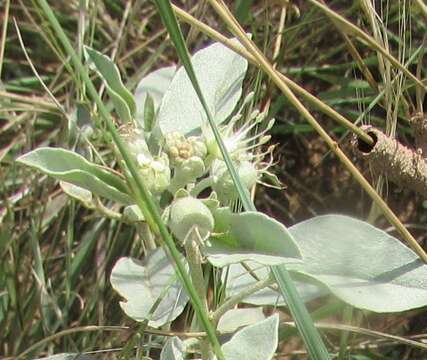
56 256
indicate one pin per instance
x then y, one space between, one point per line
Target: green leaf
220 73
236 318
68 166
154 84
250 236
148 284
173 349
122 98
360 264
238 279
254 342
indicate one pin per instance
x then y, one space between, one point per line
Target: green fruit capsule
187 214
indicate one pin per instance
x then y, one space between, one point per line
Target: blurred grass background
56 256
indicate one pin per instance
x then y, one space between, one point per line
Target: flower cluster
194 165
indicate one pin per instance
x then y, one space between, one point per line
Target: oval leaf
250 236
254 342
220 73
149 284
360 264
68 166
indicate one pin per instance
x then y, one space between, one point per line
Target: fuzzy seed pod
187 214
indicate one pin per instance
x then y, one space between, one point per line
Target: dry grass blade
351 29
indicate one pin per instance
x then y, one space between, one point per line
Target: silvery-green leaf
147 283
155 83
220 73
360 264
122 98
236 318
68 166
238 279
174 349
78 193
254 342
249 236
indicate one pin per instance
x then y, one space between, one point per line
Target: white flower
240 140
244 146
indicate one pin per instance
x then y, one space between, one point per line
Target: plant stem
194 259
147 236
347 316
236 299
200 186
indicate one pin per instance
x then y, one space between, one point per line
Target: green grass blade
313 342
143 198
309 333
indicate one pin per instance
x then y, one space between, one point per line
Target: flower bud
155 172
190 170
181 149
199 146
187 214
